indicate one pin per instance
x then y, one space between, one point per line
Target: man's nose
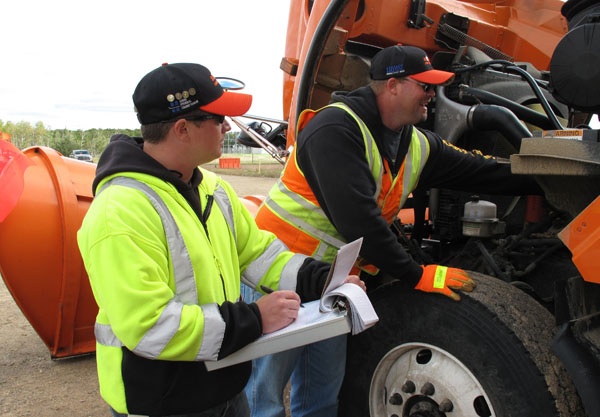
225 127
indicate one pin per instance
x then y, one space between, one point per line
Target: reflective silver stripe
301 224
424 149
406 180
185 285
320 252
409 182
161 333
259 267
214 332
289 274
222 200
105 336
298 199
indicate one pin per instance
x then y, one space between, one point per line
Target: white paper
319 319
362 313
344 260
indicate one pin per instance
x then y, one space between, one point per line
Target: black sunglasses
198 118
220 119
426 87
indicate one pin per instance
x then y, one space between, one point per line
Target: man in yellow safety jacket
166 245
353 167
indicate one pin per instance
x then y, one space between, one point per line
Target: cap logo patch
392 69
426 60
181 100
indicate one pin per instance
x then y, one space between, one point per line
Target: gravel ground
31 384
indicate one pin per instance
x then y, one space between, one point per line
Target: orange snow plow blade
40 261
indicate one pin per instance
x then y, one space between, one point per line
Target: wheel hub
421 380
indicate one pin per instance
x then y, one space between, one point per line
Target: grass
251 165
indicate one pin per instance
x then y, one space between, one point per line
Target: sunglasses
426 87
201 118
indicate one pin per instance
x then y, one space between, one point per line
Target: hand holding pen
278 308
268 290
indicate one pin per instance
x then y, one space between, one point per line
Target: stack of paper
342 296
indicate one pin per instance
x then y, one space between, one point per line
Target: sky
74 64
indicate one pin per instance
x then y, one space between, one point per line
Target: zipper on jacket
204 220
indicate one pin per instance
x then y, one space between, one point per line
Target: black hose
492 117
511 67
538 93
315 50
490 261
522 112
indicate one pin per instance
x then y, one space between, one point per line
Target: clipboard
319 320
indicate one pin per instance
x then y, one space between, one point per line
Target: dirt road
31 384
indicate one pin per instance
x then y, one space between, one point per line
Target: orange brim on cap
433 77
229 104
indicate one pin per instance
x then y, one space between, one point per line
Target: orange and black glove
441 279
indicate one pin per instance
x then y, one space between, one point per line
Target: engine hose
536 89
522 112
315 50
492 117
490 261
511 67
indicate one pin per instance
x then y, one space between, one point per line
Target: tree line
24 135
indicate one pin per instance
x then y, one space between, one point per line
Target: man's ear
180 128
392 85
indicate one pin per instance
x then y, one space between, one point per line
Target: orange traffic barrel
39 257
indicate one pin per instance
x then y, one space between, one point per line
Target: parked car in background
82 155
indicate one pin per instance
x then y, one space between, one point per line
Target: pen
268 290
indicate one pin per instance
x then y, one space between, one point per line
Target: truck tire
429 356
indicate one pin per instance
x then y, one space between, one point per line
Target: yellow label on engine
440 277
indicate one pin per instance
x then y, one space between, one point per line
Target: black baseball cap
173 90
406 61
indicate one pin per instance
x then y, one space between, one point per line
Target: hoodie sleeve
331 155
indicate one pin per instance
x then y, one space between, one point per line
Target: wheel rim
422 380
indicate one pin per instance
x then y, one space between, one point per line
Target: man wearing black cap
354 165
165 245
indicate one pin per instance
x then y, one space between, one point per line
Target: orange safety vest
292 212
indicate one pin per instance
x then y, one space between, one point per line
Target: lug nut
409 387
446 406
428 389
396 399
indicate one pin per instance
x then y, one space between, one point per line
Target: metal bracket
416 16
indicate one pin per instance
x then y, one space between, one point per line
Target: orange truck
526 342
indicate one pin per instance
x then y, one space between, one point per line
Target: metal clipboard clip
339 303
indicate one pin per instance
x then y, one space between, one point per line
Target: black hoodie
331 154
170 387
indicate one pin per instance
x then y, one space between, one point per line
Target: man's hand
278 309
354 279
441 279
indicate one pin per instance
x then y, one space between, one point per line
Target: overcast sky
74 64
